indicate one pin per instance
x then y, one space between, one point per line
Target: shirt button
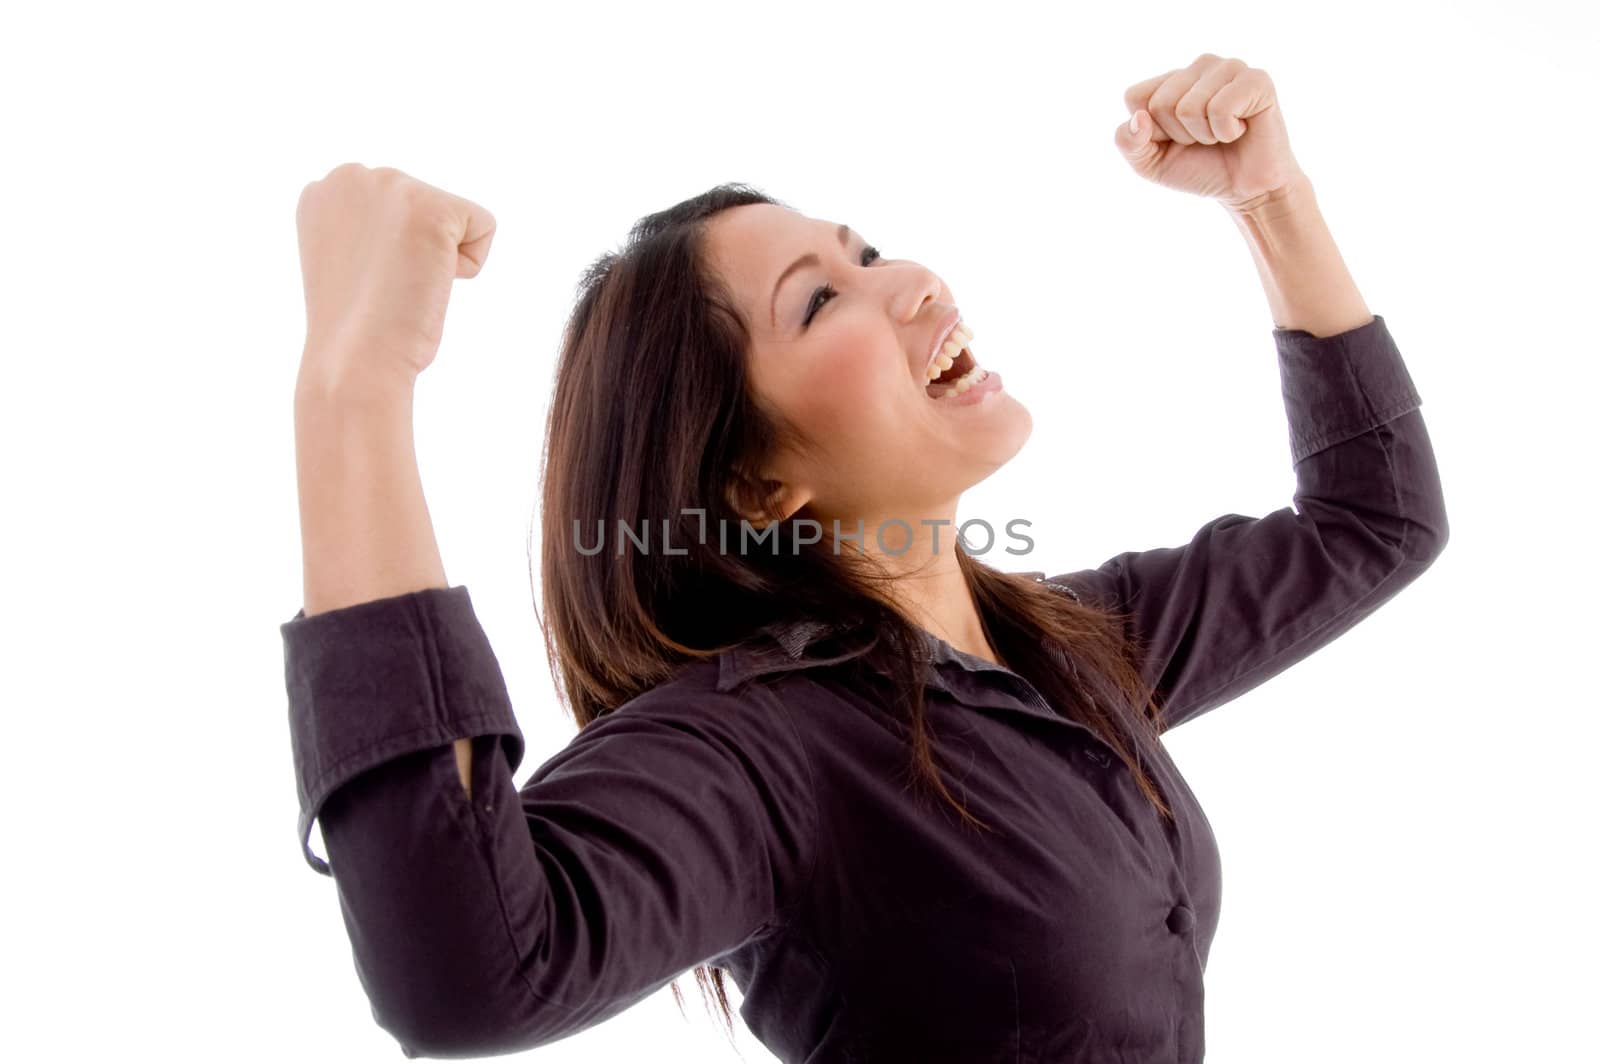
1099 757
1180 919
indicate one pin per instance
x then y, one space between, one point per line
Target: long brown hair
653 424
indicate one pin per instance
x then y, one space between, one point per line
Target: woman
918 807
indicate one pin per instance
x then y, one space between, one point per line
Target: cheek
842 396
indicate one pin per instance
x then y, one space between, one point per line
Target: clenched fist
379 251
1212 128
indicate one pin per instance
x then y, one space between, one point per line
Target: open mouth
964 372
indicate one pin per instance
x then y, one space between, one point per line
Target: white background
1406 819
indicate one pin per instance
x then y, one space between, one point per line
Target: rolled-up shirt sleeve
1247 597
373 681
668 832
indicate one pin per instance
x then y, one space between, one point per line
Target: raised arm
1247 597
484 920
379 252
667 833
365 532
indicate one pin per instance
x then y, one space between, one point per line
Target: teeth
972 377
960 336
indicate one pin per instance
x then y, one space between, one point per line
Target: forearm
365 531
1307 284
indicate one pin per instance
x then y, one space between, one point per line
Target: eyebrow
808 259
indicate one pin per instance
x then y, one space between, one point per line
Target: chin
1005 439
1018 425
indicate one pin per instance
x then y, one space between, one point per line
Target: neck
928 585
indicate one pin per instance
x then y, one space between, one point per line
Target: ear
754 500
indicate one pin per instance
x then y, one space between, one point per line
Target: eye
869 255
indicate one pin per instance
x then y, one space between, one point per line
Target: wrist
1291 199
327 379
1306 281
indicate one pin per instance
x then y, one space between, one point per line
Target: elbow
430 1045
447 1019
1421 542
1426 539
467 1037
430 1021
1410 545
455 1032
1419 494
1427 530
458 1001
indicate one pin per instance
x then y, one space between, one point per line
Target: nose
924 288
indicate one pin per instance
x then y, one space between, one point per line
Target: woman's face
840 346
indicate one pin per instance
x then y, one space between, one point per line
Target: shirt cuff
1340 386
374 681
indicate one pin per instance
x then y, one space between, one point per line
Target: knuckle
418 206
384 183
393 184
395 189
410 195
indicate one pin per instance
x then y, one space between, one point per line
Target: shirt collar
780 647
785 645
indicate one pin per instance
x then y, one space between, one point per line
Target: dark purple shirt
753 811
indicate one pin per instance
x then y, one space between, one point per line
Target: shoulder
750 723
696 779
1062 584
810 716
686 735
692 692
